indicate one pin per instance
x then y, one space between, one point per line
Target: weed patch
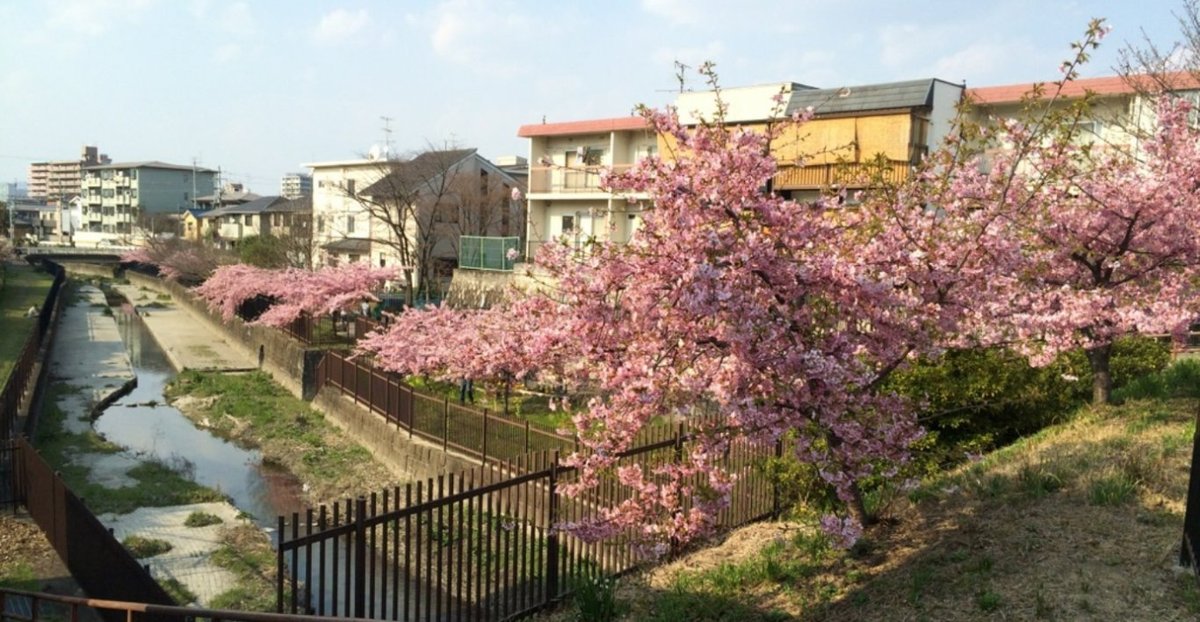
202 519
141 547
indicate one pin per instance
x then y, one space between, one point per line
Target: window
133 193
350 226
133 174
350 187
353 258
382 262
185 196
108 193
645 151
106 174
320 224
568 223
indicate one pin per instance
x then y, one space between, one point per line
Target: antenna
387 134
680 77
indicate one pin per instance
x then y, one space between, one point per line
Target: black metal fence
486 544
95 558
482 434
18 383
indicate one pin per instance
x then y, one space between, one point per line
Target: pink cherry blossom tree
293 291
729 296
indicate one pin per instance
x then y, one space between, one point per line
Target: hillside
1081 521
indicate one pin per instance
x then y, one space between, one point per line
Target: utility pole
193 182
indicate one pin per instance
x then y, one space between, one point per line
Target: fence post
679 443
360 557
552 531
526 436
1191 516
279 568
483 458
445 423
775 500
411 412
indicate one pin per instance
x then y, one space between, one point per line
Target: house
565 199
1117 111
228 194
227 226
148 196
851 127
32 221
890 125
411 212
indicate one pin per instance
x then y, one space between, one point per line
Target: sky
258 88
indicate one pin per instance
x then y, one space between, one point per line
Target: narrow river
146 424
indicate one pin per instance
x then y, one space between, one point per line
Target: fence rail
487 253
479 433
481 545
18 382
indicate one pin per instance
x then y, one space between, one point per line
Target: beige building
62 179
565 199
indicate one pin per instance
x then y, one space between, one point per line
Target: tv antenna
387 134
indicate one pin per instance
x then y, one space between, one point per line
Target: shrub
141 547
596 598
202 519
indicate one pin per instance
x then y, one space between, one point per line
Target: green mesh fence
486 253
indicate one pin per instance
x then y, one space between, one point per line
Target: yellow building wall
828 141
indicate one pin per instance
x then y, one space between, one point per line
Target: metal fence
486 253
18 383
479 433
486 544
97 561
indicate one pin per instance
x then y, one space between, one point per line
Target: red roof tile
590 126
1109 85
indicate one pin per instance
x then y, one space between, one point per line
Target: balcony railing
569 179
851 175
487 253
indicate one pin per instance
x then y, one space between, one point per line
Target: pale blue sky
259 87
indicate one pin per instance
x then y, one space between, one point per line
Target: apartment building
227 226
565 199
295 185
360 208
60 179
120 198
853 128
1117 113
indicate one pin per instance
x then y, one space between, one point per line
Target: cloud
476 32
339 25
93 17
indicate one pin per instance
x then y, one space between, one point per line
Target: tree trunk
858 509
1101 375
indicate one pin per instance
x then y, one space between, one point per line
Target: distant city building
60 179
149 195
295 185
13 190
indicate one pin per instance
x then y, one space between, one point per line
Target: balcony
569 180
824 176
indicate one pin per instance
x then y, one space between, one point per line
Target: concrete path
189 344
90 366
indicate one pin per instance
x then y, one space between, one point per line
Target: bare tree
422 202
483 205
1152 68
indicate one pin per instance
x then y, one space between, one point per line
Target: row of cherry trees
789 317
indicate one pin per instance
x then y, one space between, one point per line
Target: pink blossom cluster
293 291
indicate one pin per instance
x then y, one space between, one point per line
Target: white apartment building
564 198
295 185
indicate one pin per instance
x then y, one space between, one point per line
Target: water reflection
143 422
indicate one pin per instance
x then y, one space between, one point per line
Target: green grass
177 591
246 552
20 577
157 484
202 519
23 287
254 411
533 407
141 547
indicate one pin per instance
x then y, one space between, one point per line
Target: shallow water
146 424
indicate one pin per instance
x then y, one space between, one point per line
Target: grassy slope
1081 521
24 287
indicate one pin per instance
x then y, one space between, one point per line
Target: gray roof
261 204
359 246
299 205
148 164
408 176
235 196
850 99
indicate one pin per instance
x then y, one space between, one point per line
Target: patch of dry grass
1081 521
